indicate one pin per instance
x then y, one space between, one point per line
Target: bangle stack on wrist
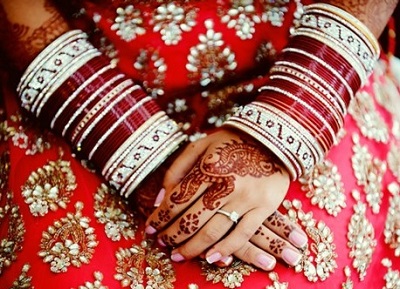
105 116
302 107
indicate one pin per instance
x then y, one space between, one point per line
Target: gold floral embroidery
69 241
392 277
325 188
4 170
98 276
242 17
369 172
13 229
361 237
348 284
172 20
371 124
112 211
276 284
138 262
230 276
153 69
393 160
29 140
319 258
387 94
274 11
210 60
49 187
23 281
392 224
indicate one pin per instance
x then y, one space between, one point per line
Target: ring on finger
233 216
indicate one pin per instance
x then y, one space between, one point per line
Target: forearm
27 27
373 13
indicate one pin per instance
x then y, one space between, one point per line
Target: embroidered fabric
62 227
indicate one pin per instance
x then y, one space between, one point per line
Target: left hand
226 171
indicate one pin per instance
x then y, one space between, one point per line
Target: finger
251 254
186 226
212 231
268 241
240 235
281 225
169 207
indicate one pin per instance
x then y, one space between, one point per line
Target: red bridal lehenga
61 226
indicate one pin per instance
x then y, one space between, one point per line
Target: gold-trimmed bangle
87 129
117 123
349 18
78 91
92 98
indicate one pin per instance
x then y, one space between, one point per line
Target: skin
29 33
254 198
195 185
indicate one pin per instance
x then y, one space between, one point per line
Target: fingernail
161 242
298 238
227 260
150 230
159 198
176 257
291 256
266 262
214 257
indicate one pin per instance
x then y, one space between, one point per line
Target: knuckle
211 235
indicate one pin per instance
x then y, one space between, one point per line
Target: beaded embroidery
69 241
392 224
112 211
49 187
98 276
319 258
23 280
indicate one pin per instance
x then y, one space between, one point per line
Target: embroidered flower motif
276 284
208 61
369 172
23 280
14 233
393 160
325 188
392 224
348 284
392 277
367 117
274 11
97 284
179 105
138 262
112 211
128 23
49 187
319 258
171 21
242 17
153 69
69 241
361 237
231 276
109 50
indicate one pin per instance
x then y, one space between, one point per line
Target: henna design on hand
279 222
374 13
234 159
276 246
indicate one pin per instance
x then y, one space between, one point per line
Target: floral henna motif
235 158
278 222
276 246
189 224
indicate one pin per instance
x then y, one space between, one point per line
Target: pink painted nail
214 257
298 238
266 262
161 242
159 198
291 256
176 257
150 230
227 260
